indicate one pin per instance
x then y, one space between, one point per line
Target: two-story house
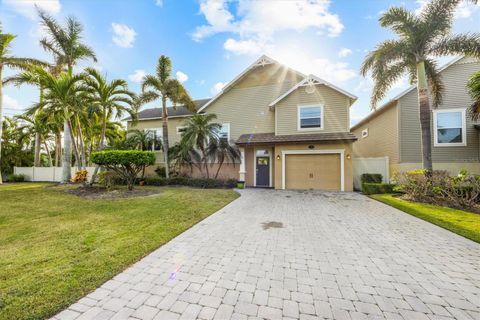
292 129
393 130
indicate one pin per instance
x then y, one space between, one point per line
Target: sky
211 41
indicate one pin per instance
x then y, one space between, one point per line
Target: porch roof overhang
272 139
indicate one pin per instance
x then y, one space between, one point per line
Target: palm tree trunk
102 145
67 153
202 148
165 135
1 118
83 158
36 160
58 148
425 117
74 145
219 166
48 152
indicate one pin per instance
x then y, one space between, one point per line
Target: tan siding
455 78
382 139
336 109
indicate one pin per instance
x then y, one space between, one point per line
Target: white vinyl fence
46 174
369 165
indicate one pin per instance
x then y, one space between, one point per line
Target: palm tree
140 139
420 38
64 43
220 150
473 87
163 86
111 98
37 125
7 60
183 154
199 132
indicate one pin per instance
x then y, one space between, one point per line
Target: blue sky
211 41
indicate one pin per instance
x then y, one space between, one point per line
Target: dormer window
310 117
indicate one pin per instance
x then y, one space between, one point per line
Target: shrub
161 172
80 176
371 178
126 163
377 188
205 183
16 177
106 179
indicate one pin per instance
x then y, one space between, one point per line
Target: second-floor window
155 141
310 117
449 127
224 132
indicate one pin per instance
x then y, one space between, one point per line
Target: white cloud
217 88
123 35
11 103
243 46
159 3
182 77
256 22
464 9
344 52
332 71
200 82
137 76
27 7
364 85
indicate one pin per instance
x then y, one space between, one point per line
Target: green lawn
56 247
464 223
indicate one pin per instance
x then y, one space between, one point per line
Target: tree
220 150
64 43
37 125
126 163
7 60
473 87
16 149
183 154
199 132
163 86
111 98
140 139
420 38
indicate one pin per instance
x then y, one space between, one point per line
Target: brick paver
335 256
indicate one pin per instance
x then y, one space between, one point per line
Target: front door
263 172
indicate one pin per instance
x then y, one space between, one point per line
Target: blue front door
263 172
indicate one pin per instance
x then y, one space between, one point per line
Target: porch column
241 172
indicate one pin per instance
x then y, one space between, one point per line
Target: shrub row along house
393 130
293 129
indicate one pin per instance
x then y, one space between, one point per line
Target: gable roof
173 112
312 80
392 102
262 61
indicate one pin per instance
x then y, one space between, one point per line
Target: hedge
377 188
371 178
205 183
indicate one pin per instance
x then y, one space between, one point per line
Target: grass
56 247
463 223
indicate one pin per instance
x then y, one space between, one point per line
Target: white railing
46 174
370 165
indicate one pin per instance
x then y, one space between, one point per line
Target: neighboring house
393 130
292 129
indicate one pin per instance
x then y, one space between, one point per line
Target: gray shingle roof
271 138
178 111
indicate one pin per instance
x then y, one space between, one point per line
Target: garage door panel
313 171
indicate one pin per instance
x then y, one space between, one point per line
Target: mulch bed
103 193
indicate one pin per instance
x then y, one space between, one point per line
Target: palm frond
467 44
435 83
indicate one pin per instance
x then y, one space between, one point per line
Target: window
365 133
310 117
224 132
450 127
181 130
155 143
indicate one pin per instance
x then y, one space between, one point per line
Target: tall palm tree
66 46
473 87
37 125
163 86
421 37
9 61
221 150
199 131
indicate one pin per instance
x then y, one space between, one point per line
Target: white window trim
322 117
161 137
180 128
228 125
332 151
464 128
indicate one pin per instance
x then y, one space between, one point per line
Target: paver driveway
308 255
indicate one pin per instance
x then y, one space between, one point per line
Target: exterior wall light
349 157
278 157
